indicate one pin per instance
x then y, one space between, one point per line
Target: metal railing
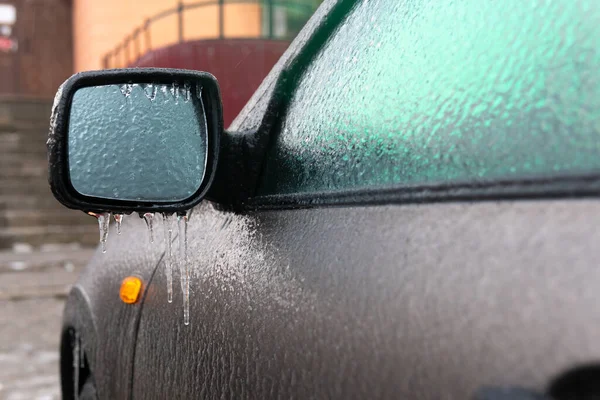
139 42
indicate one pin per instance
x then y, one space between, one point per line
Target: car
406 208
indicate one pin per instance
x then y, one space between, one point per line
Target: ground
33 286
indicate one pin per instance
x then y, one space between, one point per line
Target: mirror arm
238 169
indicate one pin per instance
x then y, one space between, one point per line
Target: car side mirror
134 140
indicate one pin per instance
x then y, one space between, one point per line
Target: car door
424 223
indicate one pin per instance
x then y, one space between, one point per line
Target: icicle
168 225
76 356
184 269
174 89
126 89
187 89
103 223
118 220
148 217
199 91
150 91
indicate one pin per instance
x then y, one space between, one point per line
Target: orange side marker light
130 289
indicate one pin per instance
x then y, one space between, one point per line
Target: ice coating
184 267
53 118
188 91
169 259
150 91
168 229
175 92
231 257
412 93
126 89
229 249
116 132
103 224
149 217
118 220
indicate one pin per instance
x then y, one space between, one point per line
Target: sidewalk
33 286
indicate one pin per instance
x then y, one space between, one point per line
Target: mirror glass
138 142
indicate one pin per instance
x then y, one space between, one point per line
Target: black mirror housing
197 91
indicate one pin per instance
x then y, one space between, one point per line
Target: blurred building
36 51
42 42
101 33
238 41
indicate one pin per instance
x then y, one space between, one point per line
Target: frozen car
406 208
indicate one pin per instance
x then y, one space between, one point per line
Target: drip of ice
118 220
126 89
148 217
174 89
76 363
150 91
199 91
187 89
168 225
184 268
103 224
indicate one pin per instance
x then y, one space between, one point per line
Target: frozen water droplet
199 91
118 220
150 91
103 224
168 226
126 89
76 354
175 90
188 91
184 268
148 217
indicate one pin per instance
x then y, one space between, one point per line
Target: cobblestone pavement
33 286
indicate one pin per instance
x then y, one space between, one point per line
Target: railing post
270 19
126 51
136 43
180 20
122 61
116 57
147 35
221 19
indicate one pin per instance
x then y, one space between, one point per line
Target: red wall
240 65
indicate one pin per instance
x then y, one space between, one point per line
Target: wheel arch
78 325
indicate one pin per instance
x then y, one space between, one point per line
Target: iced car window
409 92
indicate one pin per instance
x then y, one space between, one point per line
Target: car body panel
350 294
398 301
107 326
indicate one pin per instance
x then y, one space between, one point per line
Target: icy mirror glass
137 142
